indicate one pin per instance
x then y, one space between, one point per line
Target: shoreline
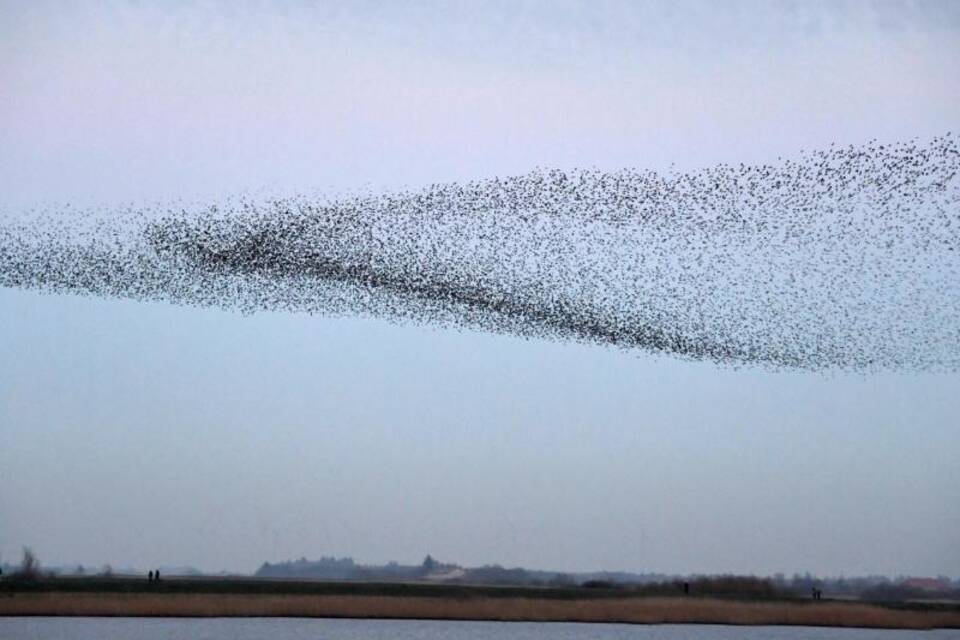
630 610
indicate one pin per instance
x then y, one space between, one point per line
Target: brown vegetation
628 610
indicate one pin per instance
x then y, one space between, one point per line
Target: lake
346 629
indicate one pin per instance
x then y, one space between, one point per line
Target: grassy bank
219 598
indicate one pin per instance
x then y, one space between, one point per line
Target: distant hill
331 568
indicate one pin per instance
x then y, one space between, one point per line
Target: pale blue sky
146 434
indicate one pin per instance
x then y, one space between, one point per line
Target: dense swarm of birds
847 257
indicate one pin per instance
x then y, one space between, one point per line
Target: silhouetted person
156 575
686 588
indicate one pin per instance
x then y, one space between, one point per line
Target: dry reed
627 610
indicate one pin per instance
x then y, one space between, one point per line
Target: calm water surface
320 629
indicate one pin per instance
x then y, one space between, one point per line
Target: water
327 629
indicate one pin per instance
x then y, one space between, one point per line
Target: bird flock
842 258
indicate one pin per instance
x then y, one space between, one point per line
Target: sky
146 434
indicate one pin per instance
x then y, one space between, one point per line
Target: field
266 598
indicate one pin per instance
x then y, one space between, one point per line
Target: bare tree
29 566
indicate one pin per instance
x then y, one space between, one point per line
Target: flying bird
839 258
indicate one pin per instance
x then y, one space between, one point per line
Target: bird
841 257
